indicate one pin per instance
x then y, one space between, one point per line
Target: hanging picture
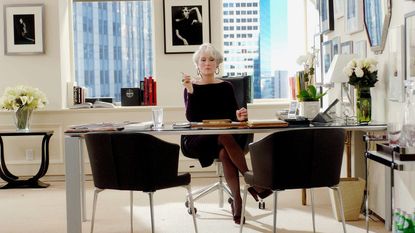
360 48
186 25
336 45
327 54
346 47
23 28
326 16
339 8
410 45
396 66
354 16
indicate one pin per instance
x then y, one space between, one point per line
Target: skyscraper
112 45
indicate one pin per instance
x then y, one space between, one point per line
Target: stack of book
148 90
297 84
79 94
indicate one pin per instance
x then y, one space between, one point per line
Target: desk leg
388 197
73 185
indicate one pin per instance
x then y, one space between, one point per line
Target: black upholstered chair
242 88
296 159
134 162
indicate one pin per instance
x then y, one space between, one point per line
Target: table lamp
335 74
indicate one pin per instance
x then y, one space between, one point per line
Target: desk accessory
324 117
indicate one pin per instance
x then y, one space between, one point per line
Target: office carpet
43 211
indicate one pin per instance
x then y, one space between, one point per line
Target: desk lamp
335 74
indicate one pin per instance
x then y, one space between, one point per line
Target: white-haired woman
212 98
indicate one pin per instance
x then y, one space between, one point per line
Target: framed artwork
338 8
23 29
326 16
327 55
346 47
360 49
410 45
336 45
318 72
377 15
396 66
186 25
354 16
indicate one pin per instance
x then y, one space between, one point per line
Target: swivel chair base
221 186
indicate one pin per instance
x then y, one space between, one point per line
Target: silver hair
209 49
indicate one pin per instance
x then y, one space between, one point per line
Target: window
268 41
112 45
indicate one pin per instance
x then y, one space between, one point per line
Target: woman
211 98
188 28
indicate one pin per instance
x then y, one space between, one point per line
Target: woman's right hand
187 83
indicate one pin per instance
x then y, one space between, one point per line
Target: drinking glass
394 133
157 118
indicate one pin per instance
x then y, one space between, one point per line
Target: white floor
43 211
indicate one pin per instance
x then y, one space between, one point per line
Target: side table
33 182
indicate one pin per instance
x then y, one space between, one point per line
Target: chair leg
150 195
339 195
243 207
191 205
274 229
131 210
312 210
94 207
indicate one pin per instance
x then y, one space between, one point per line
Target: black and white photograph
326 16
327 54
346 47
410 45
336 45
354 16
24 29
360 48
186 25
339 8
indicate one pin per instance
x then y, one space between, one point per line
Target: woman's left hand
242 114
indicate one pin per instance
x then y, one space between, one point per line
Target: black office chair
296 159
242 88
134 162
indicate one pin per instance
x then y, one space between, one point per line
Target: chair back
131 161
242 88
304 158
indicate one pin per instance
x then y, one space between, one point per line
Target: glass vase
363 105
22 117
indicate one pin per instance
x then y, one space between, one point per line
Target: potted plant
309 101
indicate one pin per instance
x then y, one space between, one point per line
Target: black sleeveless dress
209 101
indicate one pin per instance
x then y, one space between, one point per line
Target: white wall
404 181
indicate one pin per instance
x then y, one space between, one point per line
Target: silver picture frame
23 29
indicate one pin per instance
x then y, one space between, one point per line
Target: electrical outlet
29 154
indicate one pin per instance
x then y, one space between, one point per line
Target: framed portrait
23 29
396 67
346 47
410 45
186 25
360 48
327 55
338 8
318 71
326 16
354 16
336 45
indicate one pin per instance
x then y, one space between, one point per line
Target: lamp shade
335 73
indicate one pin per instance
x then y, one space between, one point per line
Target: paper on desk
139 126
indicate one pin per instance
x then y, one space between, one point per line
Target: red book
145 91
154 92
150 90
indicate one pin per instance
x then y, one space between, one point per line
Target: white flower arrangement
362 72
22 97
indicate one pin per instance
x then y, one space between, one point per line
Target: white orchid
22 97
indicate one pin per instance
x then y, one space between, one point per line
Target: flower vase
22 119
363 105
